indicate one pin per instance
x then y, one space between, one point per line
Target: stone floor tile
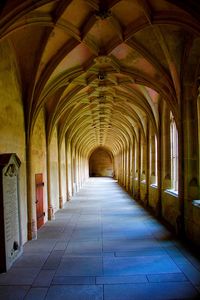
145 252
61 245
32 260
73 280
39 246
75 292
84 247
19 276
53 260
140 258
121 279
195 261
36 293
146 291
185 265
86 234
189 270
139 265
13 292
44 278
80 266
129 245
169 277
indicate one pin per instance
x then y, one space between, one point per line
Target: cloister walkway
103 245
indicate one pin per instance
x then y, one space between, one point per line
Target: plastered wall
39 158
12 131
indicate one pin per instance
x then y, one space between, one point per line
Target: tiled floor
103 245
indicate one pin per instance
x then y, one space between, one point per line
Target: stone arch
101 163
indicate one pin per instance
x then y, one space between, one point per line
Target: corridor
102 245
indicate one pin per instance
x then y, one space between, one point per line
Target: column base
69 197
51 215
61 202
32 230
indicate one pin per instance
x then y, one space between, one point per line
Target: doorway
39 199
101 163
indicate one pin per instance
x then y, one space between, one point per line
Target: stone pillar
152 157
143 159
160 157
131 168
50 206
76 175
68 168
147 162
73 170
127 167
60 177
123 167
190 188
79 170
139 163
32 224
166 155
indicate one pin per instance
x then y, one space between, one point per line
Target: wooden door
39 200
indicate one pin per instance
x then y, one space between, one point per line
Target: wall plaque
10 229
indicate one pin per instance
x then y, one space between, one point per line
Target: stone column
68 168
131 168
189 185
123 167
32 224
160 157
50 206
60 177
127 167
147 162
139 163
152 156
166 155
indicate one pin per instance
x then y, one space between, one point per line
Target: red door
39 200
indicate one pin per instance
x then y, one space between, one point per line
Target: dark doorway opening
101 163
39 200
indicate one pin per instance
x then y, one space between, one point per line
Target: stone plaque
10 236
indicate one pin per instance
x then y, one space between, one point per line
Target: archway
101 163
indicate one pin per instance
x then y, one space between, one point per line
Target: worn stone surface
111 248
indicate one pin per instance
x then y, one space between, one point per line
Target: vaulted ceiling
99 68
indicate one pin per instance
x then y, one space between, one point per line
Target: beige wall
12 131
170 209
153 197
39 158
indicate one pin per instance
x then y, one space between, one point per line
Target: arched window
174 153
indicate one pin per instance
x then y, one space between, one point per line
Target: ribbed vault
99 68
